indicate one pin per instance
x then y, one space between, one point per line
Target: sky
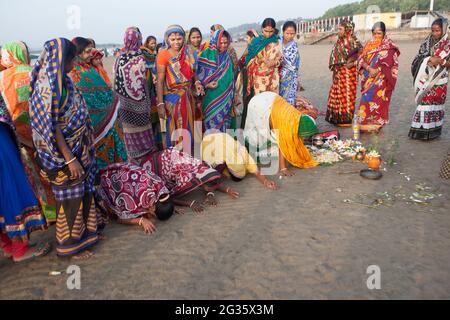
37 21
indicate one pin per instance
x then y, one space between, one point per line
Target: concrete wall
416 35
421 21
393 20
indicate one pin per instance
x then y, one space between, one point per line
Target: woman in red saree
378 66
176 76
342 97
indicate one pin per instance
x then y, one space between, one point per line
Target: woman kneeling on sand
231 158
274 126
134 195
183 174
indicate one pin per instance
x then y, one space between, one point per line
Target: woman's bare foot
102 237
35 252
85 255
286 173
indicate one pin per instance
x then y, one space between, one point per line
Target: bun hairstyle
81 44
270 22
250 34
289 24
164 208
71 52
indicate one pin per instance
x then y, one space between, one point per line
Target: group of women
377 65
78 148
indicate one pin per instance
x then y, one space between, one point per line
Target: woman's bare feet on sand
286 173
85 255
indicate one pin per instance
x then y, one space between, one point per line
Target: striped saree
56 100
214 66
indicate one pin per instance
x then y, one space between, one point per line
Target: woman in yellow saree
276 128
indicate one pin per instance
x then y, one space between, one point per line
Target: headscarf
375 44
97 54
217 27
14 53
130 69
171 30
182 65
211 61
47 110
217 66
379 25
258 44
429 46
345 47
132 39
15 86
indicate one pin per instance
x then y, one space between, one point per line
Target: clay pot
360 156
374 163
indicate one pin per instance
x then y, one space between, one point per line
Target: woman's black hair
438 22
289 24
81 44
71 52
379 25
250 34
148 40
195 29
226 34
93 42
164 210
269 22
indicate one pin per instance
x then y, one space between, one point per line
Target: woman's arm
264 181
75 167
161 78
145 223
283 168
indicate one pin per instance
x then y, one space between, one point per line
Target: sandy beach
304 241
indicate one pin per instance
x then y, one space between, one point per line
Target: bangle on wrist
160 104
70 161
140 221
192 203
211 194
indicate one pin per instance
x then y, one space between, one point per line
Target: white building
393 20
